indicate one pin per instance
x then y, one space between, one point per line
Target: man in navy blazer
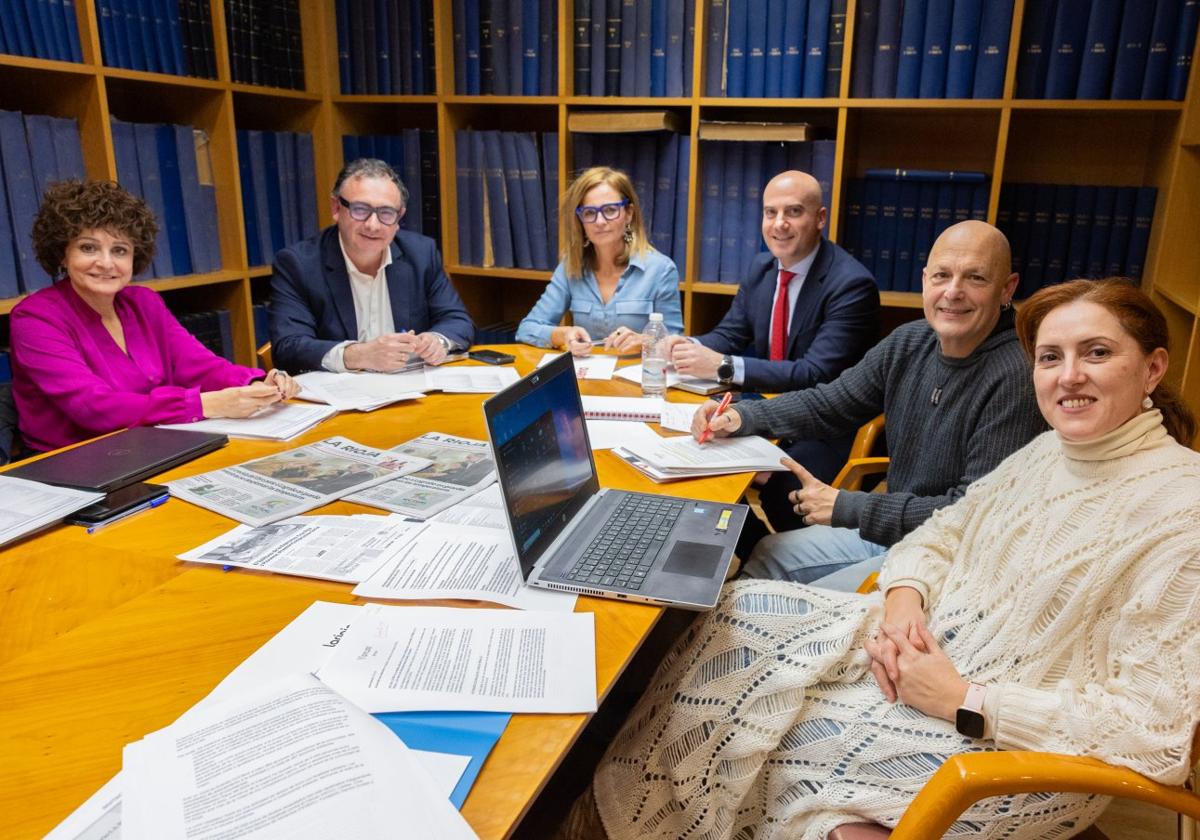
363 294
806 311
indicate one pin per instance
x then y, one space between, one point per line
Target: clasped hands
245 400
393 350
907 662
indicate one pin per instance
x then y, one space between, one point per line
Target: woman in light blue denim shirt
610 278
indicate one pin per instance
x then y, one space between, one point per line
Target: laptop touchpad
693 558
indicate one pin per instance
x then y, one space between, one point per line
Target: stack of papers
282 421
361 391
682 457
682 381
30 505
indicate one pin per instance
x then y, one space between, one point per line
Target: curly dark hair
71 207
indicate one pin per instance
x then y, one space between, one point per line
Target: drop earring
1147 403
628 234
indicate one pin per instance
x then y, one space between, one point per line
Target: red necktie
779 319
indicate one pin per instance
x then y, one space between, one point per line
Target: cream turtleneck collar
1144 431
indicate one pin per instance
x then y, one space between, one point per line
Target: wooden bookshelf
1100 142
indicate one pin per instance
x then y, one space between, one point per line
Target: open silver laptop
572 535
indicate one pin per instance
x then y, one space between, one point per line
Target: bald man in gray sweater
958 396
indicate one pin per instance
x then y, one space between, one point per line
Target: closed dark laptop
118 460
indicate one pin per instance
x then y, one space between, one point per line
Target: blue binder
596 38
39 139
850 234
910 49
689 38
885 241
471 46
943 208
534 220
71 25
906 233
466 231
249 214
679 240
1139 233
628 44
306 185
1022 216
550 184
822 166
712 170
548 47
992 54
662 222
1102 219
582 47
887 50
145 138
1118 237
195 207
980 194
964 41
835 48
795 20
773 72
642 50
1037 30
1036 250
935 51
497 200
638 153
872 198
1057 251
658 48
816 48
866 30
715 49
518 215
752 186
1133 43
1185 44
1158 54
270 230
797 156
923 237
1099 49
756 48
1081 232
10 278
56 25
68 152
22 197
736 49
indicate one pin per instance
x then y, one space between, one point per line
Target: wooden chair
860 464
264 356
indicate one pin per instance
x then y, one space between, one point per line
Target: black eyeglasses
588 214
360 212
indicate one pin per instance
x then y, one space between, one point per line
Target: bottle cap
655 316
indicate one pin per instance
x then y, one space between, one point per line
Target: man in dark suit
806 311
363 294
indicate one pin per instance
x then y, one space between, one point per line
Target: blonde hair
570 230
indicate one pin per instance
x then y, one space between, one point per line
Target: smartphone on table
118 502
492 357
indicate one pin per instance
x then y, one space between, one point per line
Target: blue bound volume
548 49
885 243
596 36
675 46
658 48
68 152
662 223
1039 240
612 48
992 54
22 197
146 142
752 214
872 198
176 221
887 50
712 168
935 52
583 46
1133 42
1099 47
249 214
1139 233
980 193
472 47
850 234
10 284
906 231
1158 54
679 240
1102 219
1060 235
866 30
1022 218
466 230
912 45
550 183
518 215
822 166
795 20
1181 56
306 185
836 47
628 41
497 201
923 237
1081 232
816 45
715 49
773 74
1118 237
964 41
943 208
642 50
735 59
756 48
40 141
535 206
1037 30
731 213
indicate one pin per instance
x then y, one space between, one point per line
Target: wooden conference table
107 637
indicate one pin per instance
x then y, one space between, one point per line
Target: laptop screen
543 459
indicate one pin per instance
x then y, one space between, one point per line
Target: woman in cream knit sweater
1058 601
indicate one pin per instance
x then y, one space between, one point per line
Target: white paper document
293 760
682 381
685 454
436 658
483 510
678 416
483 379
30 505
609 434
288 483
282 421
342 548
442 560
457 468
99 818
587 367
361 391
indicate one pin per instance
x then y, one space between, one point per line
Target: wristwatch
725 370
969 719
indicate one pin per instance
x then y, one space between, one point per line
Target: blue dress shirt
650 283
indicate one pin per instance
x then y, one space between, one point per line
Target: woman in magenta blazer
92 354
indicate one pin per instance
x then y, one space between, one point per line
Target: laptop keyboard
623 551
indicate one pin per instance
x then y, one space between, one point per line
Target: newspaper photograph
348 549
279 486
458 468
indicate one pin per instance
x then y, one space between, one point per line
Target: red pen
706 435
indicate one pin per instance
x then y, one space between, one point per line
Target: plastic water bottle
654 357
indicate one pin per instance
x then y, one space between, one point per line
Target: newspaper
278 486
458 468
30 505
348 549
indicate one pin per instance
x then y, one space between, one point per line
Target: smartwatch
969 719
725 370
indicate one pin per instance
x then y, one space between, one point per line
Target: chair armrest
264 356
856 469
965 779
869 584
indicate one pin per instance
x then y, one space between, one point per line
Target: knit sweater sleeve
1141 711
